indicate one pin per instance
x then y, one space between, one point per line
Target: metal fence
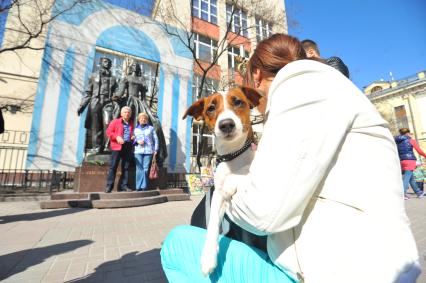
30 181
13 150
177 180
13 175
15 178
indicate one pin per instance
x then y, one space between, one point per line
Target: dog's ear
257 98
253 95
195 110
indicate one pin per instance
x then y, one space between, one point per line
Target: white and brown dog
227 116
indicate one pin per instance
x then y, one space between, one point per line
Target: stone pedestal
92 175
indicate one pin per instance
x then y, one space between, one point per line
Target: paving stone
110 245
54 277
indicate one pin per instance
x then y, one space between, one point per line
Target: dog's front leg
211 247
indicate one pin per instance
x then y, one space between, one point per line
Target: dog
227 116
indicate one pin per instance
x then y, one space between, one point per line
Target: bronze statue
132 90
102 109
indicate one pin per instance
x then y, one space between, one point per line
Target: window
376 88
210 86
205 9
401 117
149 70
238 20
201 142
263 29
205 48
233 52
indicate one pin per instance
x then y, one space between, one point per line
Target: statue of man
132 89
98 96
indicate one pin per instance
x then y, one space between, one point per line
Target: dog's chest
237 166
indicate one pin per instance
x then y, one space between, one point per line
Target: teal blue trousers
237 262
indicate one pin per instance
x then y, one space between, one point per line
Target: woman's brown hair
272 54
403 131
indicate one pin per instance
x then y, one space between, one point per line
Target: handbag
153 172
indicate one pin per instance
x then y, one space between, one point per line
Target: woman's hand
141 142
119 140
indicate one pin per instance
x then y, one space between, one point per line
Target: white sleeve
301 139
138 134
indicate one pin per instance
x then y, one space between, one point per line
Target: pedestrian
420 175
146 147
312 51
320 227
120 133
405 144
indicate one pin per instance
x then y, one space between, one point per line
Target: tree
25 30
230 35
28 21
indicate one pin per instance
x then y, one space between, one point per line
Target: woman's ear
257 75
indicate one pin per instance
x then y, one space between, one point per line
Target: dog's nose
227 125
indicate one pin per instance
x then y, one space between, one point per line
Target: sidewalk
106 245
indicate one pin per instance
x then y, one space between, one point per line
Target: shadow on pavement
38 215
17 262
131 267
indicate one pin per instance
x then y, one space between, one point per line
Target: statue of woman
132 89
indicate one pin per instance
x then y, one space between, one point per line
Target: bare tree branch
231 34
29 20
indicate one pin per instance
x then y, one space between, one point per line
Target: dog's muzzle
227 126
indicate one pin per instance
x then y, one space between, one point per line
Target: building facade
402 103
187 49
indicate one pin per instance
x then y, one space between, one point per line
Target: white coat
325 184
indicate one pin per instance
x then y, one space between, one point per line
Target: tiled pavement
110 245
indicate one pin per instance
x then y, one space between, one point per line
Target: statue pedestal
92 175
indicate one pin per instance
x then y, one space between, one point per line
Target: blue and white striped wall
57 133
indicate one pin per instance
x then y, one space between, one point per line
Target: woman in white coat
324 186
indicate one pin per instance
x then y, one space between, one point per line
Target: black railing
12 181
13 175
176 180
15 178
13 150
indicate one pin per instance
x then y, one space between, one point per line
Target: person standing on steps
120 133
146 148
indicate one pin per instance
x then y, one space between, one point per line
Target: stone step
123 195
69 196
178 197
65 203
171 191
113 200
117 203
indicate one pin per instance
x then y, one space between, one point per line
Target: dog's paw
209 259
229 187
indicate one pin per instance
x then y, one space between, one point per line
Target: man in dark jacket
312 51
98 98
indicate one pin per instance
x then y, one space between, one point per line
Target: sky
372 37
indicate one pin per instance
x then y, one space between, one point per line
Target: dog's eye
238 102
211 108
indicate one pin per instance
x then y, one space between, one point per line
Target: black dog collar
232 155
